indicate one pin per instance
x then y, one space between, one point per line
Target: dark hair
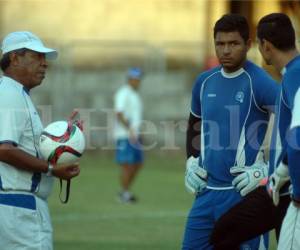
231 23
277 28
5 60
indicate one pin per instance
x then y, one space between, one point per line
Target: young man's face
231 50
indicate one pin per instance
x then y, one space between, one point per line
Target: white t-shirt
128 102
20 125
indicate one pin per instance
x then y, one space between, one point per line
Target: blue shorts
207 208
129 153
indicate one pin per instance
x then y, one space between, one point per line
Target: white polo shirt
21 126
128 102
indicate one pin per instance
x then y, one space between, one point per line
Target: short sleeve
295 122
290 86
120 101
196 98
266 92
13 117
291 95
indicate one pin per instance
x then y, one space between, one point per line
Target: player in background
258 213
129 154
230 110
25 179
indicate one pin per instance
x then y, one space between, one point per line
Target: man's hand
277 180
195 176
248 178
133 137
66 172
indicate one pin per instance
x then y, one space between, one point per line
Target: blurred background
98 40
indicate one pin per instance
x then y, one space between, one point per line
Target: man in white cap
129 154
25 179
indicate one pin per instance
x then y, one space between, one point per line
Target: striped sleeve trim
9 142
198 116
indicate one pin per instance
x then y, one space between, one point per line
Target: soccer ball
61 142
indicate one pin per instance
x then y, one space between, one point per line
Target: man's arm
291 93
195 175
248 178
22 160
293 151
193 136
120 106
132 133
279 178
122 120
266 92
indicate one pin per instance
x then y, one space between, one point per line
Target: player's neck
281 59
133 87
233 70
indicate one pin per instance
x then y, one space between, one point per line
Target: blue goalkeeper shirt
286 132
234 112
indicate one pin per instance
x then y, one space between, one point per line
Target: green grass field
93 219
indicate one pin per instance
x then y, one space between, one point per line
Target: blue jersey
234 112
284 117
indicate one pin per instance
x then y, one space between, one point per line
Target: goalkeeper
230 105
257 213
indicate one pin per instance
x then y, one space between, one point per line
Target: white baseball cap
26 40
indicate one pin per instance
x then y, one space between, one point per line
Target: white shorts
289 238
25 222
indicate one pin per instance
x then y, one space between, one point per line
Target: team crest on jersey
239 97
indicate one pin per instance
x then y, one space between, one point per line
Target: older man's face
33 66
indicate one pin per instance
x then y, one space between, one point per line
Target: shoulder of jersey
250 67
292 74
257 72
209 72
8 89
295 68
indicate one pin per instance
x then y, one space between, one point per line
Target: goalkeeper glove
249 178
195 176
277 180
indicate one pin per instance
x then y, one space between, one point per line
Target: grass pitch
94 219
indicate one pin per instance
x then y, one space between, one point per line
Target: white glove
195 176
249 178
277 180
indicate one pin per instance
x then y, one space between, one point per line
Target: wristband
50 169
